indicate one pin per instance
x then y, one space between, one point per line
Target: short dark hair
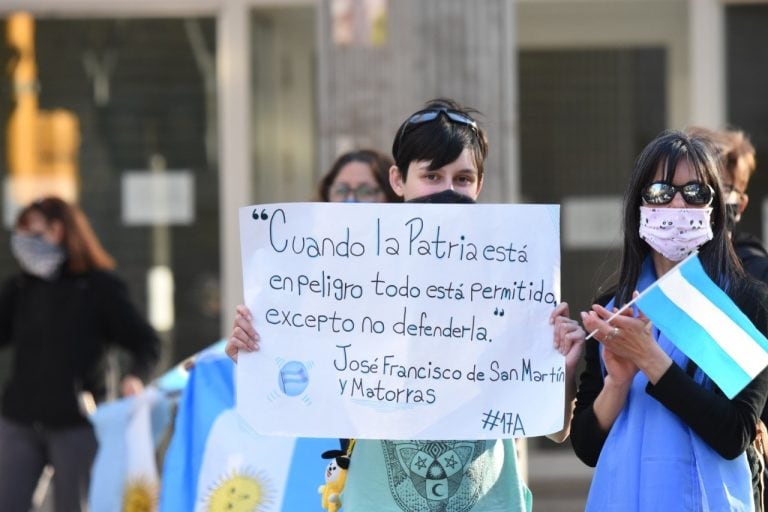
667 150
377 161
440 141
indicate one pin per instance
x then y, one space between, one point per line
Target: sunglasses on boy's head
693 192
430 114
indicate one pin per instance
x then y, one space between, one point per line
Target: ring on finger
612 334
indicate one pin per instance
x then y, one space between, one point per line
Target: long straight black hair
667 150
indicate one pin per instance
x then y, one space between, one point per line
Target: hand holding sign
244 336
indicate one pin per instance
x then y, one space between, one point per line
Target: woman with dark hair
358 176
60 314
661 434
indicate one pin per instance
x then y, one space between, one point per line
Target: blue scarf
652 461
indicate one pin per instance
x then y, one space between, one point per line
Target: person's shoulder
749 245
751 292
12 282
106 279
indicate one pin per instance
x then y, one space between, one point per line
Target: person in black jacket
737 165
60 314
661 434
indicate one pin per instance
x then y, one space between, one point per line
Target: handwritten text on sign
417 321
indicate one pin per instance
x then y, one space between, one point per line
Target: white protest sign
392 321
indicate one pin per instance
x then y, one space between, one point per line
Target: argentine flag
703 322
215 462
130 430
125 474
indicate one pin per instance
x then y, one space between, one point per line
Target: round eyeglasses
362 193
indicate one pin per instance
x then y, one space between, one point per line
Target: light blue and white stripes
703 322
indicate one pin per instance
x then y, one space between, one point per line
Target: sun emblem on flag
242 490
140 495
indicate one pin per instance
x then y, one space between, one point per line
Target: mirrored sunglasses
428 115
694 193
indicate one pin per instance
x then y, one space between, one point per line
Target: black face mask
446 196
731 214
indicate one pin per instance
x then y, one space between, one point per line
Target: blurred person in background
360 176
737 165
60 313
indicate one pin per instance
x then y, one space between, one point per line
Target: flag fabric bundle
703 322
216 462
125 474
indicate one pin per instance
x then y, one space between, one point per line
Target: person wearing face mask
737 165
59 314
439 155
360 176
659 432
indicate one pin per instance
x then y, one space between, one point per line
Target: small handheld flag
705 324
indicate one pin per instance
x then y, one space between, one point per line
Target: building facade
209 105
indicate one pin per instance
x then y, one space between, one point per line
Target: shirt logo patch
433 475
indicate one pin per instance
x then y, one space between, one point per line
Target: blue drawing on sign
294 378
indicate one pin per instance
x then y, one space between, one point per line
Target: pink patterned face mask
675 232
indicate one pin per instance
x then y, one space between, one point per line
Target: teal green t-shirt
445 476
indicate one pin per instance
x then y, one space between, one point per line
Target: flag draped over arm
208 393
706 325
216 462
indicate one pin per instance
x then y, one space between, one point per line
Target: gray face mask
732 216
36 256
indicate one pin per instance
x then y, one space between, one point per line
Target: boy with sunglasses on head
439 155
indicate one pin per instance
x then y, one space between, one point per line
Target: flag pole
655 283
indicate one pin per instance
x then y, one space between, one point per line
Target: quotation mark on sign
498 312
256 215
